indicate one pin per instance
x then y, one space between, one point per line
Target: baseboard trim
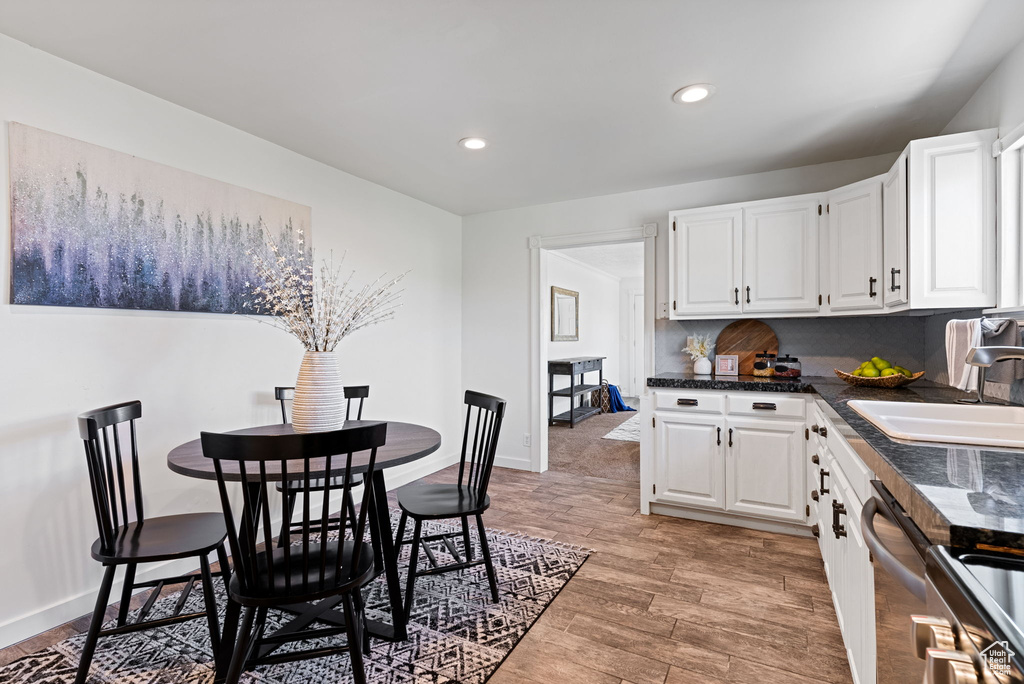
29 625
723 518
514 463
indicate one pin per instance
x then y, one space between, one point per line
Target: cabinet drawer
767 405
588 366
856 471
691 402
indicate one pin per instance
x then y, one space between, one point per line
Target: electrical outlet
527 440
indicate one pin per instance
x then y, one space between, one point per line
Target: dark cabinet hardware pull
686 402
730 436
838 529
719 436
892 274
748 294
815 531
823 431
815 460
815 428
764 405
822 474
871 286
814 494
736 293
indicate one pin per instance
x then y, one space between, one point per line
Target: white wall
599 318
627 288
192 371
998 102
496 266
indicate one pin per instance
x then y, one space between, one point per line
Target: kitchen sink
970 424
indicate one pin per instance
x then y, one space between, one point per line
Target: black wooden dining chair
468 497
123 541
310 568
290 489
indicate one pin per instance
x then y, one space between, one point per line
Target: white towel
961 336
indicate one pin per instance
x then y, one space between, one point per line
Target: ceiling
573 95
624 260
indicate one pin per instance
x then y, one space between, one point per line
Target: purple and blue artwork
93 227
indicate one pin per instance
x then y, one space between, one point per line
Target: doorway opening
595 355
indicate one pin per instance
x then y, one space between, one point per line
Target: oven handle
910 580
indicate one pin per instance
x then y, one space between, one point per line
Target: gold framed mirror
565 315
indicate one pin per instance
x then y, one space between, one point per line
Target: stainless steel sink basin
974 425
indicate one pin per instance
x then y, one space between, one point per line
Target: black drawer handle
815 460
823 431
814 429
736 293
719 436
764 406
748 294
838 509
730 436
871 286
892 273
814 494
822 474
686 402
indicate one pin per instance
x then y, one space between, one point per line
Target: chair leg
241 647
286 523
222 657
361 609
400 537
94 626
411 582
485 549
211 603
126 594
465 538
353 625
225 565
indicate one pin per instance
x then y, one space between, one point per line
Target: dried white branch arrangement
318 306
699 347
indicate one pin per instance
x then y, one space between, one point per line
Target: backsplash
821 343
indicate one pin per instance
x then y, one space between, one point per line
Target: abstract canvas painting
94 227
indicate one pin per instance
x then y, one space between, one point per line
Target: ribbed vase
319 403
702 366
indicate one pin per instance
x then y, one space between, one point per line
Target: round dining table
406 443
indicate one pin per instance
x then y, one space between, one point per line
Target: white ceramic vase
319 403
702 366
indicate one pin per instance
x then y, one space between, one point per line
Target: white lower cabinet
764 468
726 461
697 478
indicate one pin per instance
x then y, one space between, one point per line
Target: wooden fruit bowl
889 381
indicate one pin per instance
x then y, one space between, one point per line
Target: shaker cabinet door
894 234
855 241
780 256
704 263
764 468
688 466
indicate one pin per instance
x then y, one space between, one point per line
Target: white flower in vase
699 347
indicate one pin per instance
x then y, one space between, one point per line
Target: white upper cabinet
780 256
951 193
855 241
894 234
704 262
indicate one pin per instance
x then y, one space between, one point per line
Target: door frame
635 373
540 324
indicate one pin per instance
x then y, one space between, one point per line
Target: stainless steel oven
898 549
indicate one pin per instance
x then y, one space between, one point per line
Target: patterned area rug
628 431
456 633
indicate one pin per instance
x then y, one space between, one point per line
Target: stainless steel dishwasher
898 550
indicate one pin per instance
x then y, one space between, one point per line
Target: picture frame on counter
727 364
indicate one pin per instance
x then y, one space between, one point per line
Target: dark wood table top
406 442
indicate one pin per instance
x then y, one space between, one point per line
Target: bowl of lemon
879 373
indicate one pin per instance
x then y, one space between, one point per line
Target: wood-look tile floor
659 600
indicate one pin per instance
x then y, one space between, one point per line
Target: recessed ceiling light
473 143
694 93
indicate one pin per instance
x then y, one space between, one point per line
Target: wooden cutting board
744 339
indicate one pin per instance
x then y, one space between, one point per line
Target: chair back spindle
103 432
484 415
303 459
284 394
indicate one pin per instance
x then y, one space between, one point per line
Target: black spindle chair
312 566
290 489
484 414
116 496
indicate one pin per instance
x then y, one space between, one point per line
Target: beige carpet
581 451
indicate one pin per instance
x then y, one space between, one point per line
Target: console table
578 366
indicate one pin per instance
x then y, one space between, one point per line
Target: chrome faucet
982 358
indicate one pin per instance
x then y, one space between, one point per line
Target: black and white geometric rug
456 634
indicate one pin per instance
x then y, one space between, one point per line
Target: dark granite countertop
962 496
